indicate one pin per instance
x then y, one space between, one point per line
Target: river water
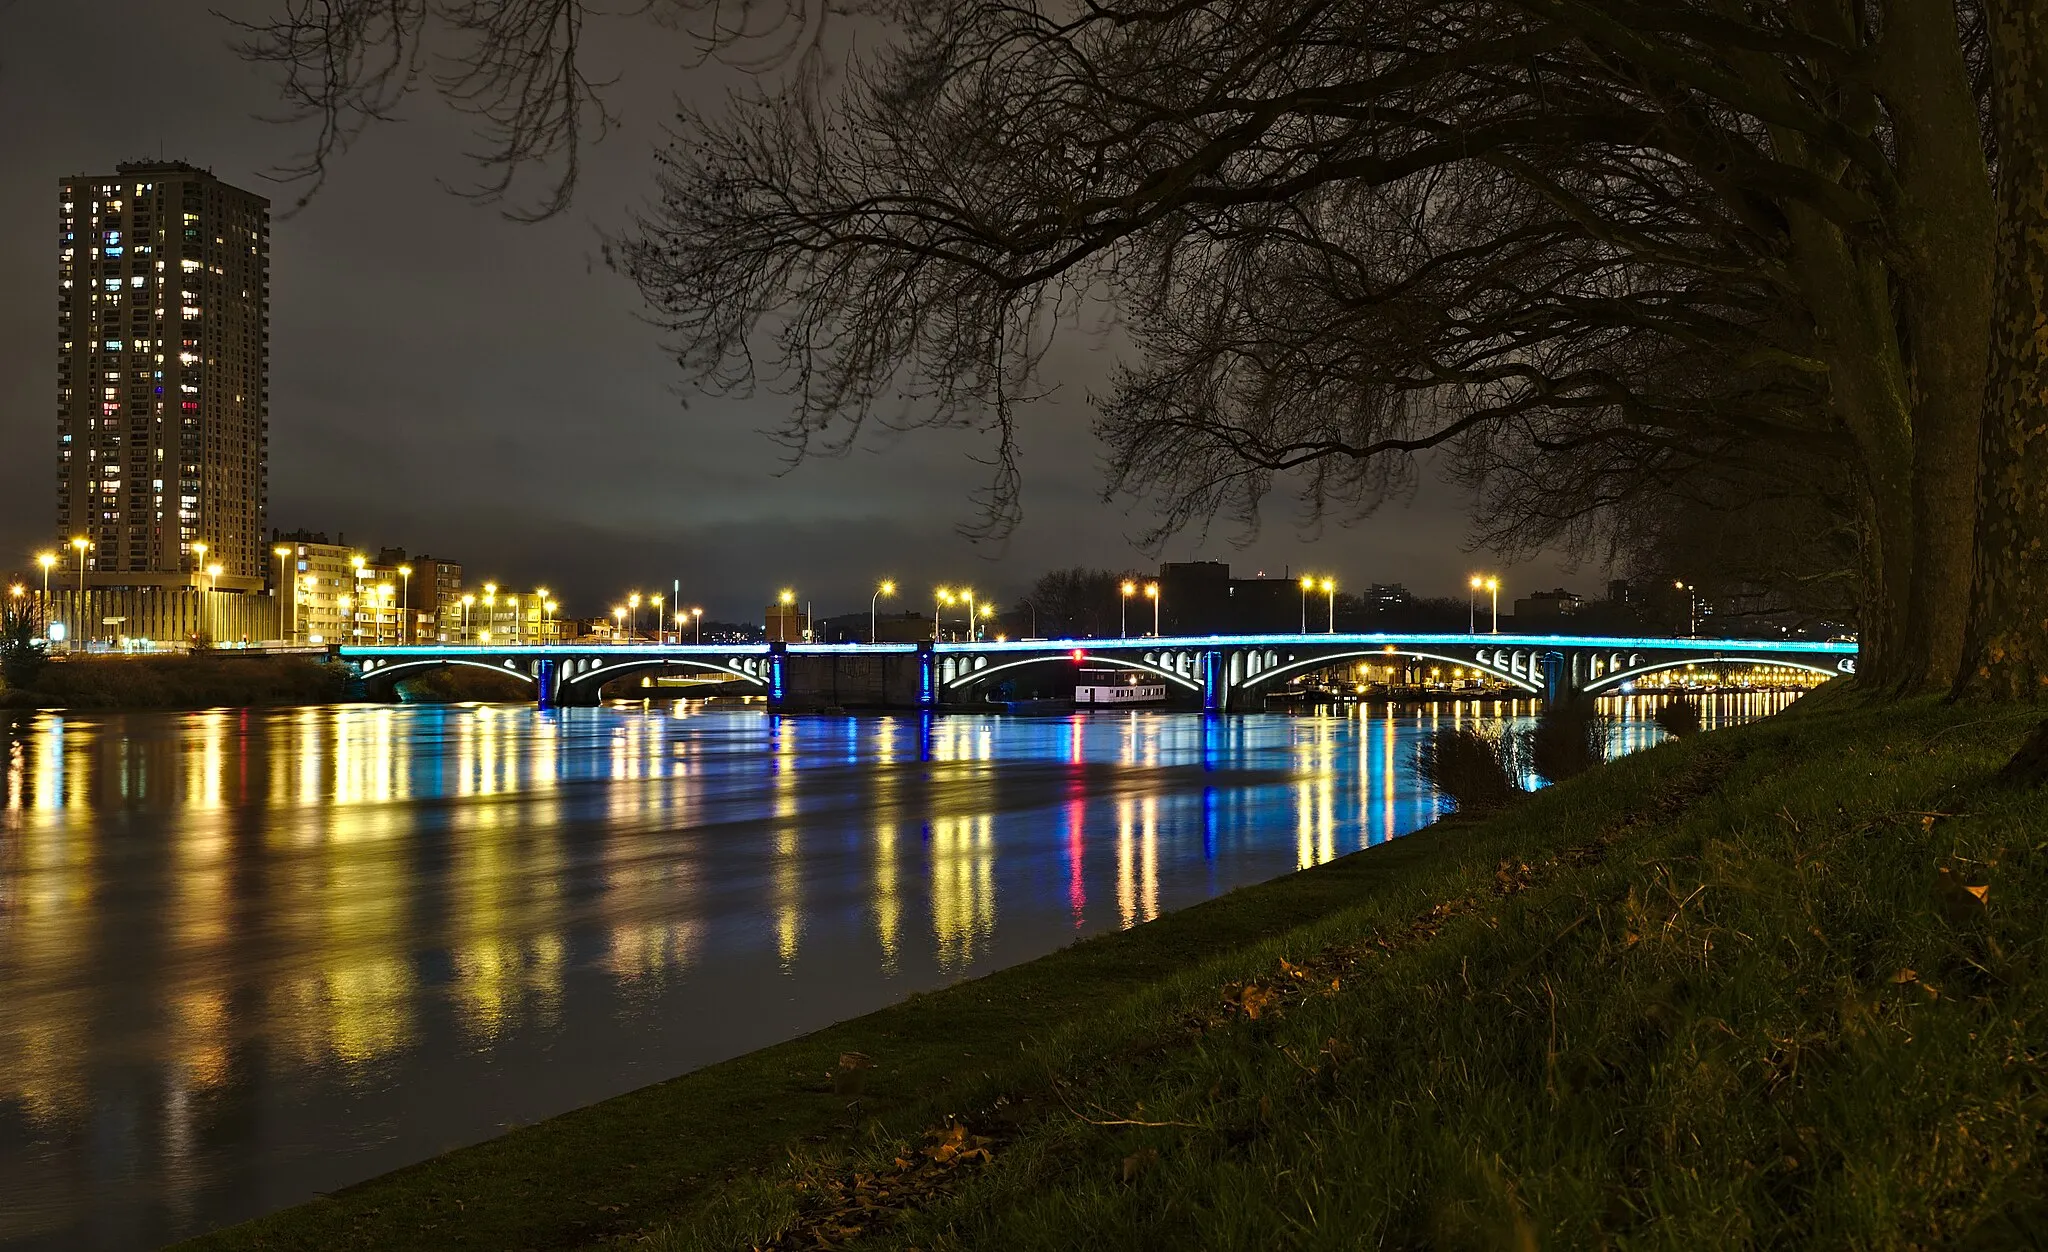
247 956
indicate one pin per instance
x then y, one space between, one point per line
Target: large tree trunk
1944 226
2006 657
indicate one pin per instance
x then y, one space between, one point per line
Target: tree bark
1944 226
2006 657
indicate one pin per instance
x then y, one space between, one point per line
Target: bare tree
1600 252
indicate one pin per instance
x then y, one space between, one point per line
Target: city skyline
448 380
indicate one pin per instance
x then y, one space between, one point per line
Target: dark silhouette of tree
1078 603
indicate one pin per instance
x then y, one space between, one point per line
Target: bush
190 682
1472 769
1569 739
22 654
1679 718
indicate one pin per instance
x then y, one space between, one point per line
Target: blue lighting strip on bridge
1594 643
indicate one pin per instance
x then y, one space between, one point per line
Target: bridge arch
1658 667
391 673
596 673
1293 667
970 677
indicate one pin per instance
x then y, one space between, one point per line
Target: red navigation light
1079 656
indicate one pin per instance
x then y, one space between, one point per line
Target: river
247 956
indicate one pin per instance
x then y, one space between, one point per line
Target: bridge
1217 673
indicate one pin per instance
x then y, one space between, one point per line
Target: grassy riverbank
226 679
1776 985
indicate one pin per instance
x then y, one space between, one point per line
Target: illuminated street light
46 560
1477 585
1152 594
1330 590
655 600
405 603
619 616
83 545
698 614
1692 608
887 588
1493 590
1123 609
467 601
967 594
1308 584
943 596
284 554
633 603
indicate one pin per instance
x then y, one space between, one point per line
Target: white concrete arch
1367 654
388 668
1070 659
601 671
1658 667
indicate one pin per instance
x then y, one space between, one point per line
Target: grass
1778 985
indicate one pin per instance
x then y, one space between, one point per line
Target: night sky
454 383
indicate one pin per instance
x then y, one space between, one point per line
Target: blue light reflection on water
250 955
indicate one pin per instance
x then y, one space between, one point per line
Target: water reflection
245 956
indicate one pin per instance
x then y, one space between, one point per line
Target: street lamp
1493 591
490 611
405 601
199 558
887 588
466 602
283 576
384 593
1472 605
1123 609
547 612
698 614
655 600
1308 584
1692 608
1152 594
342 602
943 596
1330 590
967 594
46 560
633 603
518 622
619 616
83 545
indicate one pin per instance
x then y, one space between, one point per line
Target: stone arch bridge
1218 673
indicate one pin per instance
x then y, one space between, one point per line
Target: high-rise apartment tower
163 377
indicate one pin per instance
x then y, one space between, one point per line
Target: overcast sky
454 383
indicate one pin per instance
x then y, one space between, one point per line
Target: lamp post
942 597
1123 609
518 620
887 588
698 616
343 602
619 616
490 612
787 599
466 602
1330 590
660 634
1472 605
310 598
46 560
283 555
83 545
405 603
547 621
1152 594
1692 609
633 603
967 594
1308 584
384 593
1493 590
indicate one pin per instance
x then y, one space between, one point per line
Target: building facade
163 377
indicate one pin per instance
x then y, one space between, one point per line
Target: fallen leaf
1905 975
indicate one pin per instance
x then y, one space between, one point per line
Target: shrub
22 655
1679 718
1470 768
1569 739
